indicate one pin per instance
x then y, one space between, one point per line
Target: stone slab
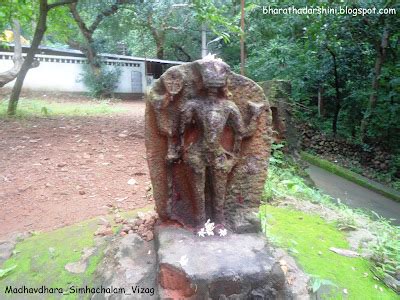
129 263
237 266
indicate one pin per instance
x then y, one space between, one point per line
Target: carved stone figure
202 122
164 107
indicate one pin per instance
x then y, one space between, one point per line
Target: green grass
354 177
308 238
40 259
40 108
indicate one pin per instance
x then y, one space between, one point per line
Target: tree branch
105 13
78 19
172 28
182 50
63 2
11 74
150 25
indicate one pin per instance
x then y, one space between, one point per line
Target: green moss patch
308 238
354 177
40 260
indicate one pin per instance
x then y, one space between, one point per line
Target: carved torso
211 116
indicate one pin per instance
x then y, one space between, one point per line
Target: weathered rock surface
296 280
278 93
246 221
7 246
231 267
129 263
81 265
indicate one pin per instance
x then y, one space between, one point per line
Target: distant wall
62 74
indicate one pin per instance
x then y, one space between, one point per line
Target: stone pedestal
236 266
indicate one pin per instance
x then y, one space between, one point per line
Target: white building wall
63 74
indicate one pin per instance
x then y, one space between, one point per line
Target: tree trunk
337 94
40 29
320 101
160 50
37 38
88 31
379 60
6 77
180 49
91 55
88 48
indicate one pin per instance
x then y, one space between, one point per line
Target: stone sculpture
208 135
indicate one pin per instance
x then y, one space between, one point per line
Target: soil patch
59 171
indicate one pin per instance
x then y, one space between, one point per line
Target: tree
351 63
87 31
10 75
40 29
381 45
97 77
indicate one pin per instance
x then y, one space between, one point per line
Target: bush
102 84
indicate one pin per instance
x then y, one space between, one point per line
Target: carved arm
158 104
237 124
255 111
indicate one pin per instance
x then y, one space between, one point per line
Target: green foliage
22 10
284 180
60 25
345 173
171 27
299 47
386 253
40 108
102 82
317 282
205 11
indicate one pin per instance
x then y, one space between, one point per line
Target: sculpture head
173 81
213 71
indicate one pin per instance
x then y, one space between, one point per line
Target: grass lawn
41 108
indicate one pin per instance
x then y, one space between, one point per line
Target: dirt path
354 195
55 172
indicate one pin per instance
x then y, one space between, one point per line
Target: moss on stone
308 238
40 260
